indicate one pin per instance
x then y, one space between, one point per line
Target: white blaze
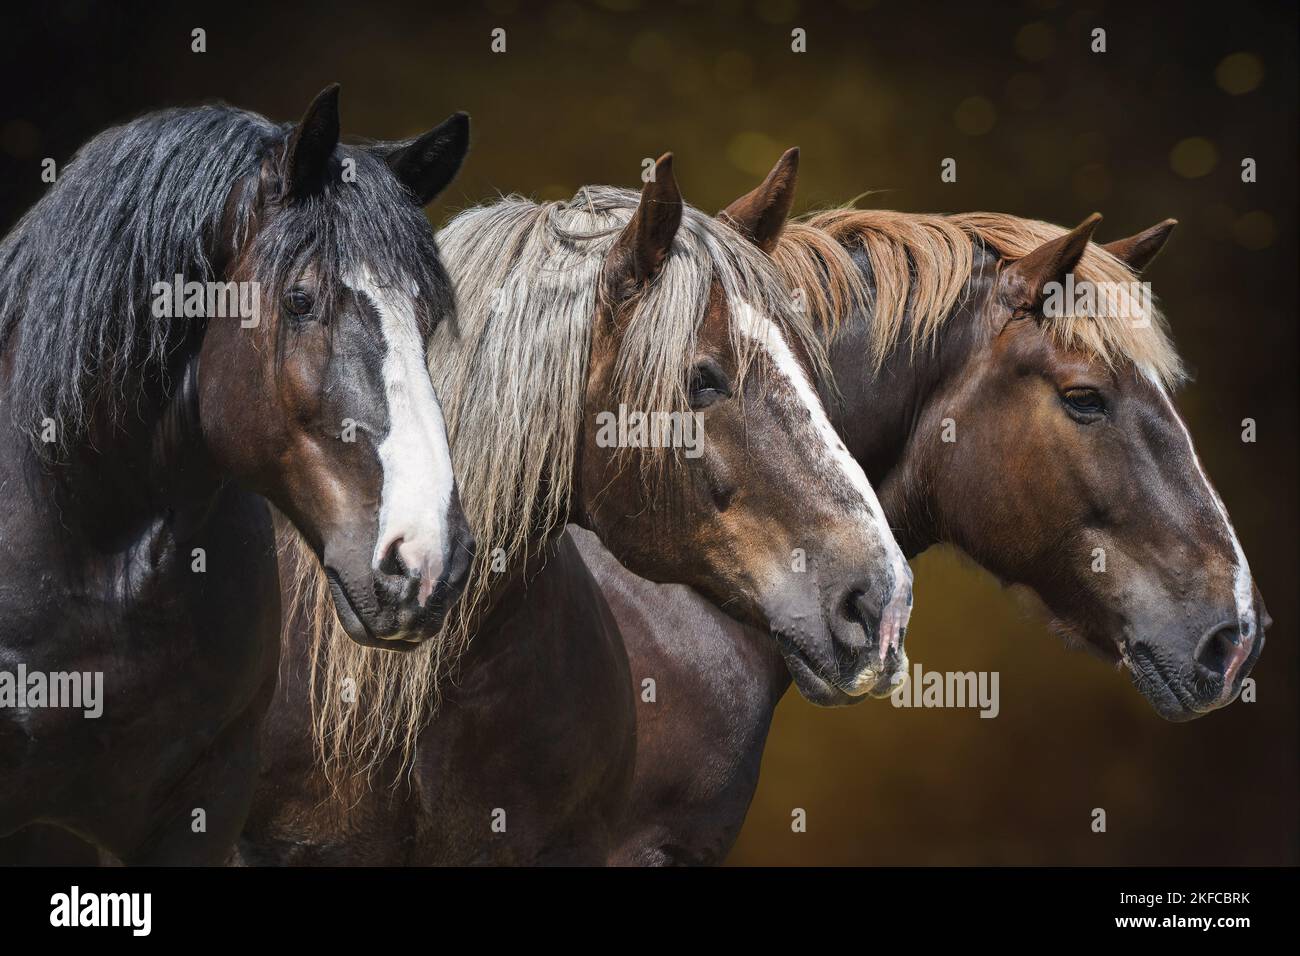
837 457
418 477
1242 592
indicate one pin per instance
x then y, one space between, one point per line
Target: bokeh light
1239 73
1193 157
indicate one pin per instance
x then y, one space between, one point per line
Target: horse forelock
361 223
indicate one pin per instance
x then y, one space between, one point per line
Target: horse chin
355 627
1163 696
884 681
807 676
1168 698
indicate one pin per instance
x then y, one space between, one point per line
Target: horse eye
298 302
708 384
1085 402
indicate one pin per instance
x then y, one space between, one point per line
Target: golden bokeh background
1156 126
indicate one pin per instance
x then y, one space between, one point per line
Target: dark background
1039 126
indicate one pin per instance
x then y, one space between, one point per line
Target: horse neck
877 412
507 597
147 462
517 610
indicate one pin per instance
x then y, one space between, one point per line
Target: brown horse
141 428
570 315
1069 472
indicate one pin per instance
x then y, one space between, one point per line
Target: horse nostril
391 563
1216 649
859 612
869 610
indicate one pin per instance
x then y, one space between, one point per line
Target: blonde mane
921 265
512 378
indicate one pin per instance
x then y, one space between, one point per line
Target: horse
520 747
206 313
1071 475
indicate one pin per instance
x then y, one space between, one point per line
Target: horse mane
146 201
512 384
921 266
138 204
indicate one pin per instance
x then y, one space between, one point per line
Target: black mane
143 202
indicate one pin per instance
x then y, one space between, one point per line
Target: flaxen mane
921 266
512 385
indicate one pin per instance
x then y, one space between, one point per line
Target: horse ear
647 238
1137 251
311 144
1024 279
761 213
426 165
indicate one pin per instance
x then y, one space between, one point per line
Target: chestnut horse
570 313
141 430
1067 450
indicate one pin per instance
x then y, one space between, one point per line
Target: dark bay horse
570 313
206 311
1068 458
